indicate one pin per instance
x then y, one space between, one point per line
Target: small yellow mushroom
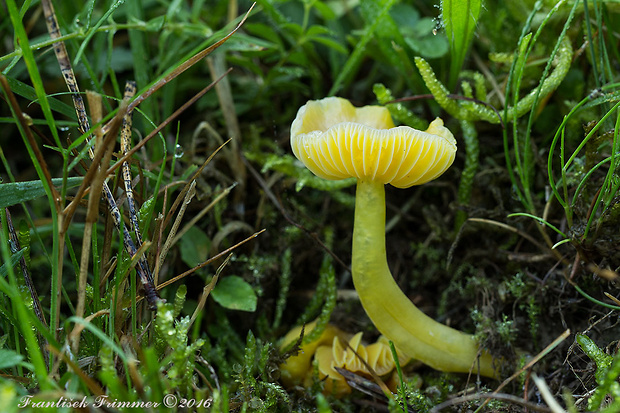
295 369
356 358
330 350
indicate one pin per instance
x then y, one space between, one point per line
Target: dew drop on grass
178 151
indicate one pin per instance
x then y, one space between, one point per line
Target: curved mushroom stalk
395 316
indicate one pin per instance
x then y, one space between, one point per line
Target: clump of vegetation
158 238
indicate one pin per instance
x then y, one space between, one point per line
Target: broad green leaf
430 47
459 19
195 247
326 11
234 293
404 15
9 358
16 192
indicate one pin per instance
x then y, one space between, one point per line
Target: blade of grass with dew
12 193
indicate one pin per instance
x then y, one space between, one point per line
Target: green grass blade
33 70
11 289
355 58
107 341
13 193
28 92
93 30
459 19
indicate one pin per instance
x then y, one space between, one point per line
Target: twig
216 64
546 394
497 396
207 290
202 213
384 388
130 91
179 198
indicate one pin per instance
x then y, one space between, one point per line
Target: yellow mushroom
356 358
329 351
296 368
335 140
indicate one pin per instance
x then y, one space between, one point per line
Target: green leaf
404 15
4 270
331 44
28 92
263 30
422 40
146 213
9 358
234 293
388 36
16 192
195 247
459 19
245 43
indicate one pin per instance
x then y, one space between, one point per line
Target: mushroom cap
336 140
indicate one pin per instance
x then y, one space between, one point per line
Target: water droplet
63 128
178 151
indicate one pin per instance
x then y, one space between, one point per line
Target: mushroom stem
395 316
